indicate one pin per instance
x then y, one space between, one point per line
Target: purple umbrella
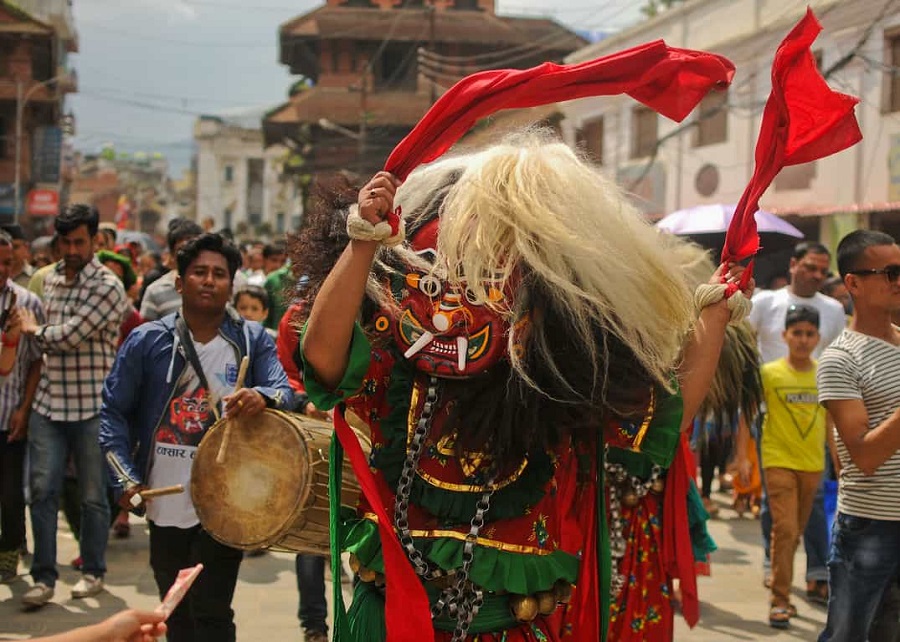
707 224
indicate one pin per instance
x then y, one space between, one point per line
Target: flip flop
779 617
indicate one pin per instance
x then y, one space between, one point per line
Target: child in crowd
252 303
793 449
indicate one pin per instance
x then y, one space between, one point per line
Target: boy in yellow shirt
793 449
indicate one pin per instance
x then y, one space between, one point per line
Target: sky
148 68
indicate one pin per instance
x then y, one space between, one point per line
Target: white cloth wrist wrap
362 230
710 293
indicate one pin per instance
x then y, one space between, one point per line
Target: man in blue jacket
171 380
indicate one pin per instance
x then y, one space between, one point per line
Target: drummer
172 379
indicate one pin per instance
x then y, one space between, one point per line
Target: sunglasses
892 272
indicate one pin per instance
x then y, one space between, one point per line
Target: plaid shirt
13 385
79 340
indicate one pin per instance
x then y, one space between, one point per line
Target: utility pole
20 109
431 20
22 98
363 117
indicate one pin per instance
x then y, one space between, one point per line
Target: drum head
252 498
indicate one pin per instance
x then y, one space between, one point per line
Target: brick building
373 67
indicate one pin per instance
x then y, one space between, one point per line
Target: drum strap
187 342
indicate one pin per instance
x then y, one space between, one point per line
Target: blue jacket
139 388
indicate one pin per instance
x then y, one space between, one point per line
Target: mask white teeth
420 343
462 350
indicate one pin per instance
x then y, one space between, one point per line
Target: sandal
817 592
741 505
779 617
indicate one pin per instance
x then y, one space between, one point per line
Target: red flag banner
803 120
670 81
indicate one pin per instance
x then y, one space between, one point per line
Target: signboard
43 202
46 157
7 202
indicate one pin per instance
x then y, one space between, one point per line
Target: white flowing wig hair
530 206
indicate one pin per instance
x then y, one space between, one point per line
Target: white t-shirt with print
188 417
767 318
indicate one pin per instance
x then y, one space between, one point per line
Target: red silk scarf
670 81
803 120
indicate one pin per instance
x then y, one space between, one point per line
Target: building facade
240 183
709 158
372 68
35 41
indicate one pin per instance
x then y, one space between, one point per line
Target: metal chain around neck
461 600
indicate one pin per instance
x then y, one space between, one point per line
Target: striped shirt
161 298
858 366
79 340
13 385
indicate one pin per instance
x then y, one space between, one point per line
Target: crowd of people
86 378
77 337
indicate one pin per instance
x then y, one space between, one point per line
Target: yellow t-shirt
794 429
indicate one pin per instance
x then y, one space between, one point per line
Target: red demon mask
439 327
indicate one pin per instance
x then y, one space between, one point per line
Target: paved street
734 600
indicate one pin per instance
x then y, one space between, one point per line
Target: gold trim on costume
480 541
472 488
645 425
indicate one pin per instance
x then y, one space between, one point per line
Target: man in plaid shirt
85 304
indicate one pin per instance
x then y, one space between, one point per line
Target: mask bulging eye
471 296
427 284
430 286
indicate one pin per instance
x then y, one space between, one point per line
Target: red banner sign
43 202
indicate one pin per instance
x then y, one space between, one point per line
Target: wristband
9 344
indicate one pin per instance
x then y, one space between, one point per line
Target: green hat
129 278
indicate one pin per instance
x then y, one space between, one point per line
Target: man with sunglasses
859 384
808 270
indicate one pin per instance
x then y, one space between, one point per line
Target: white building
238 181
859 51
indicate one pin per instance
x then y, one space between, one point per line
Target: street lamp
21 102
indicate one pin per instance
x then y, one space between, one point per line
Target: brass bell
546 602
367 575
630 498
354 563
563 591
524 607
658 485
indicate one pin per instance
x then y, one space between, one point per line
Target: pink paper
179 589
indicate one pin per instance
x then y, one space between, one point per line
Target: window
227 218
590 140
643 131
335 56
712 119
891 77
229 173
396 68
255 196
279 222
